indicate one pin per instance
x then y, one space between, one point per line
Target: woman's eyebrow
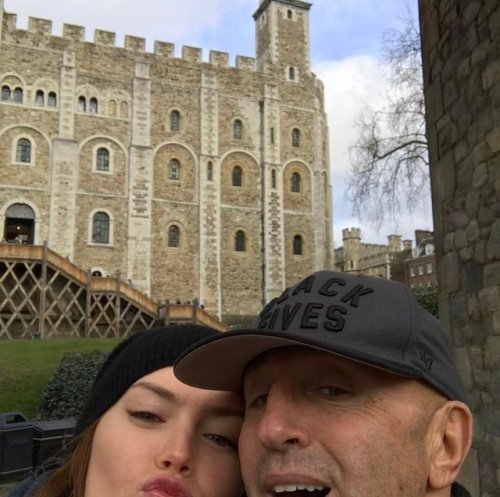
158 390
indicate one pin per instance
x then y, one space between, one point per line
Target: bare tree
389 161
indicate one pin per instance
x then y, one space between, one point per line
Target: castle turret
351 238
276 19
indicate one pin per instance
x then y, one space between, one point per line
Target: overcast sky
345 53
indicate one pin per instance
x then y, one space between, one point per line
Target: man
350 391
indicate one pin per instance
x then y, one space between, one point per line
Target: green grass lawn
27 365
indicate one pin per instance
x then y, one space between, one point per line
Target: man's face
317 424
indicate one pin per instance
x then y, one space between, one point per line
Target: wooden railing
124 299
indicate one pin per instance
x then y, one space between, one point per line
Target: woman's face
166 439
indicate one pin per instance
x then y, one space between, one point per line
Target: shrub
67 390
427 297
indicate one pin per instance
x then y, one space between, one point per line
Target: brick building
399 260
193 179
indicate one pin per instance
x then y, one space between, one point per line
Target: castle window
52 100
273 178
100 228
18 95
297 245
240 241
174 170
23 151
102 159
93 105
291 73
237 176
123 109
40 98
175 120
289 14
209 171
272 135
173 236
295 137
237 129
295 183
5 93
82 104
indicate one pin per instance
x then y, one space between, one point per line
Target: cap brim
219 362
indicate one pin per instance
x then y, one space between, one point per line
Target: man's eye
220 440
259 401
145 417
331 392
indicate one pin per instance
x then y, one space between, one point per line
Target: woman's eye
220 440
145 416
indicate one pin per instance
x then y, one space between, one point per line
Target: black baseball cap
367 319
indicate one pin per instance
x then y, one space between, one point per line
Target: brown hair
69 479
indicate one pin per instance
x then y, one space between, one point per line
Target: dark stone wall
461 54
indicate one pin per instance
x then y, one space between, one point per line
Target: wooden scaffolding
44 295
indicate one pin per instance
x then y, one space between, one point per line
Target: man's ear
450 439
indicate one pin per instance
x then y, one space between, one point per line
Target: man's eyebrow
157 389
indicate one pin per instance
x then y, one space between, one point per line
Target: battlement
349 233
74 33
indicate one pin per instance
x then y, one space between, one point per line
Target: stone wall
461 54
121 99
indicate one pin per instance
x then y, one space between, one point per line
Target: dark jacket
30 486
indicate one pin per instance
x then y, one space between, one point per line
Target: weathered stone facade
461 54
78 103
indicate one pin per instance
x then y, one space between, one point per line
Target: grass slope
27 365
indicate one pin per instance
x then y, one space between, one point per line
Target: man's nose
282 425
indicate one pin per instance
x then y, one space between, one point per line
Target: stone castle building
399 260
193 179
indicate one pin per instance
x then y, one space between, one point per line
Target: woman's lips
164 486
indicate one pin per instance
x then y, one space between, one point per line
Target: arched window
82 103
52 100
295 138
210 171
123 109
295 183
240 241
273 178
23 151
40 98
291 73
18 95
100 228
5 93
175 120
174 170
93 105
289 14
174 236
237 129
237 176
297 245
102 159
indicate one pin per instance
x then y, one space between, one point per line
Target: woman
143 433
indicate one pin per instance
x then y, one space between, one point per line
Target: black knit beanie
135 357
